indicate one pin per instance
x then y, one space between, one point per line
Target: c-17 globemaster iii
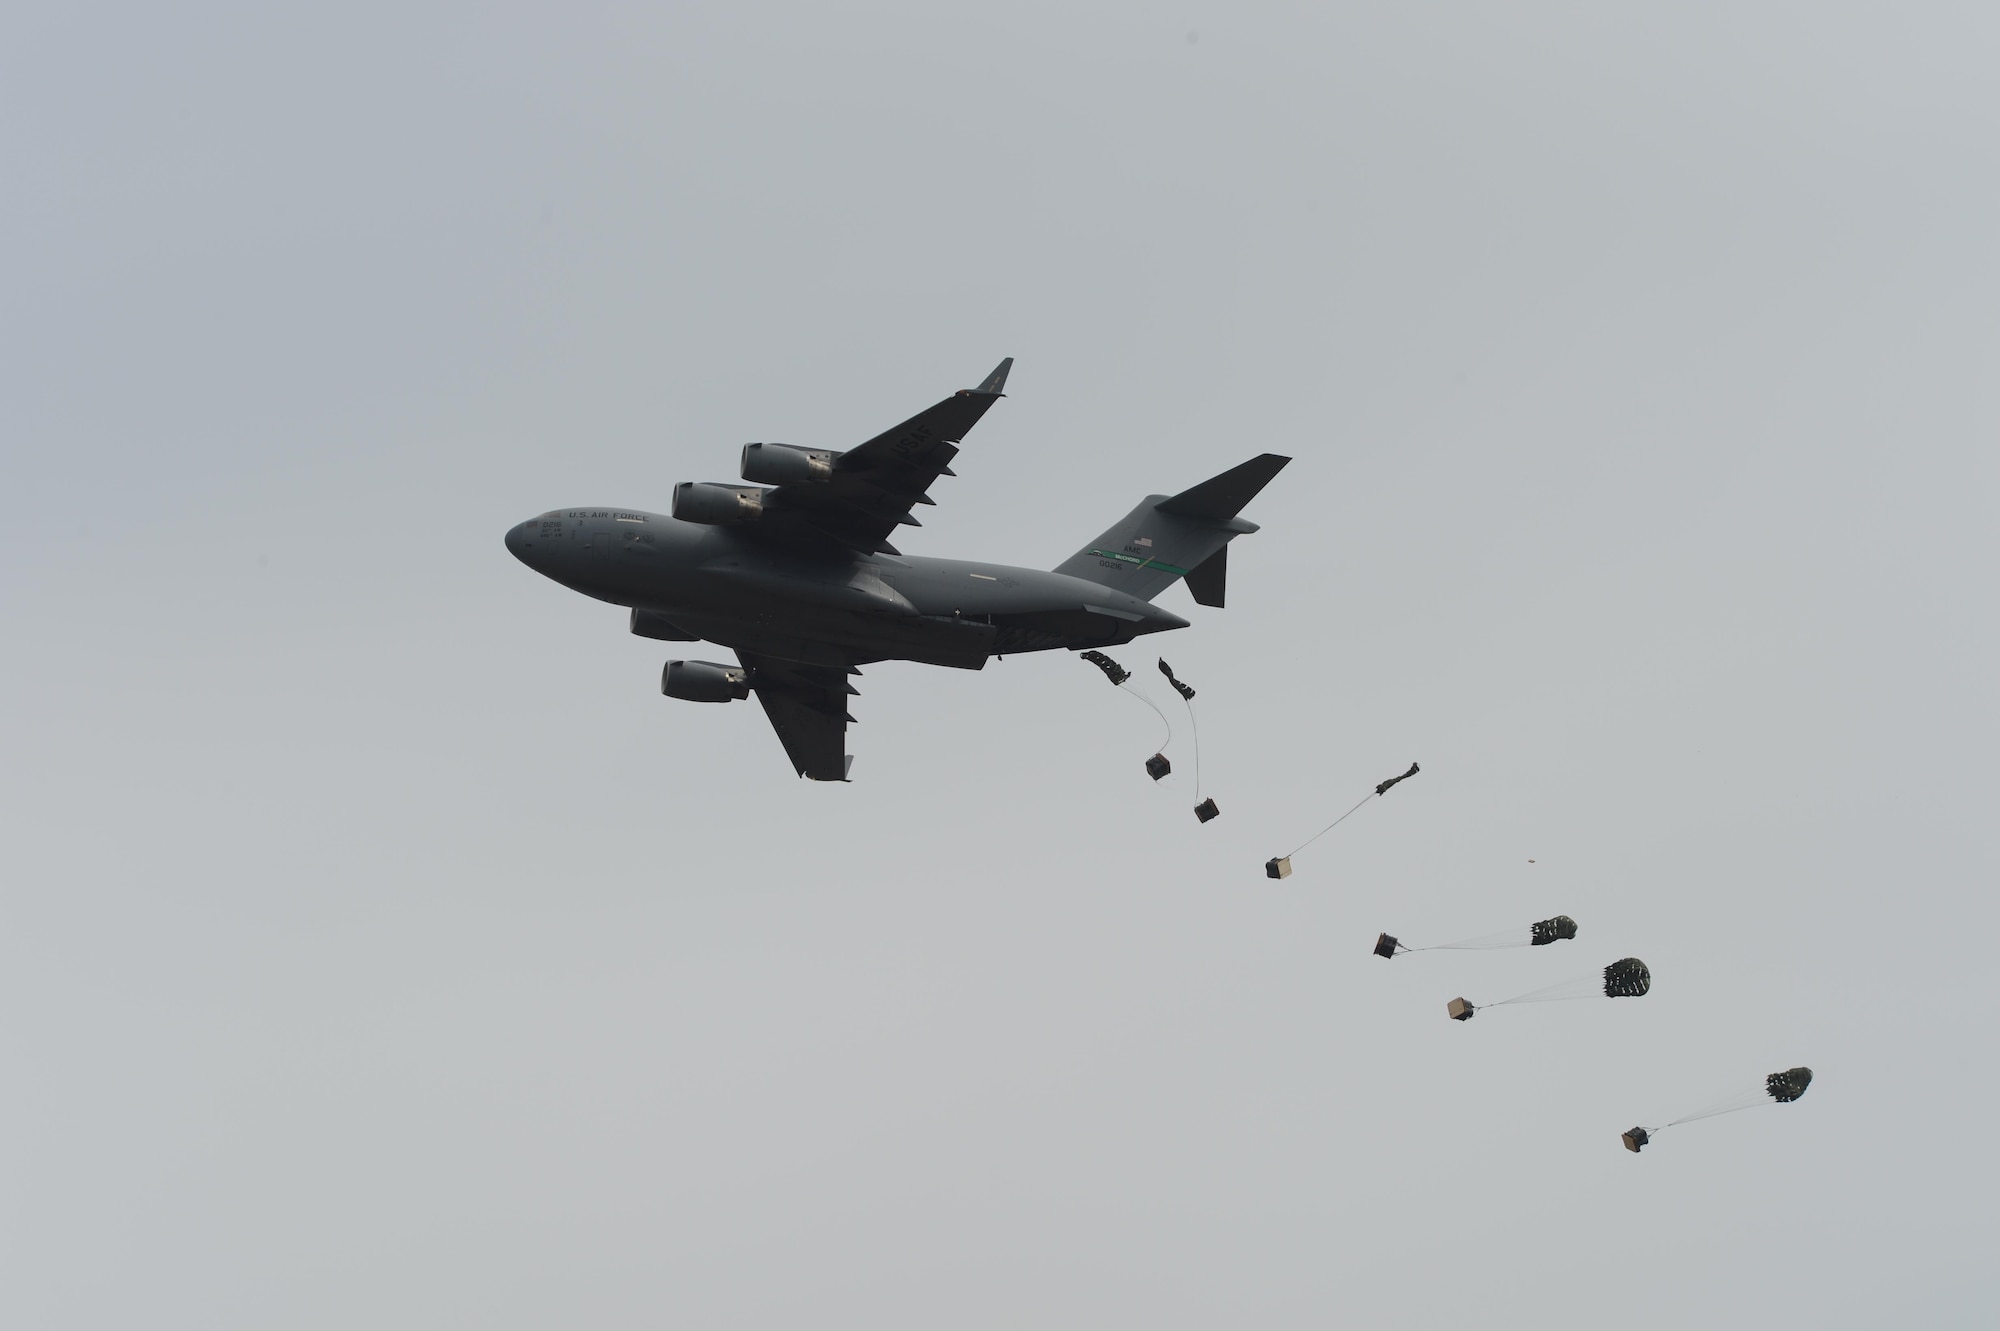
795 572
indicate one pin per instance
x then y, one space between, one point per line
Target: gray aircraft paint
802 612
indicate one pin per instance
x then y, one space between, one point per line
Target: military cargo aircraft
795 572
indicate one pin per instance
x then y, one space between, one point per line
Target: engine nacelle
786 464
649 625
718 505
704 681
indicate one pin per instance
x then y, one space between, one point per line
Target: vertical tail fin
1169 537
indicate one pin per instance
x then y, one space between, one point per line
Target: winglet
996 382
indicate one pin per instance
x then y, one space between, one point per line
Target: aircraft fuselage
688 581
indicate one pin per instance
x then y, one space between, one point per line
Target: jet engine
704 681
717 505
786 464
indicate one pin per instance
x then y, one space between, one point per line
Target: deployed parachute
1624 978
1206 809
1539 934
1780 1088
1114 672
1787 1086
1157 766
1383 788
1187 694
1280 866
1628 978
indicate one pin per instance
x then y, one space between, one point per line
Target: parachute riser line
1331 826
1780 1088
1120 679
1194 732
1166 726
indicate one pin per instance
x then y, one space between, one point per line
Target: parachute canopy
1383 788
1627 978
1544 932
1114 672
1179 687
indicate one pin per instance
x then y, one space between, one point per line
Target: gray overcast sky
380 949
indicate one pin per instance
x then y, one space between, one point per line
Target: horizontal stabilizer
1224 496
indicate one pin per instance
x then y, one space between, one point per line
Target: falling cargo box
1634 1139
1385 946
1206 810
1278 866
1459 1010
1157 766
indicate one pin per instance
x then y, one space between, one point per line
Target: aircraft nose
520 543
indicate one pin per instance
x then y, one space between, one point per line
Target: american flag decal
1146 541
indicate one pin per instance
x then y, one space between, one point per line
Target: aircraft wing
873 487
808 708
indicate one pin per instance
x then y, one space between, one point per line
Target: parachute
1383 788
1624 978
1543 932
1627 978
1205 809
1280 866
1779 1088
1157 766
1114 672
1539 934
